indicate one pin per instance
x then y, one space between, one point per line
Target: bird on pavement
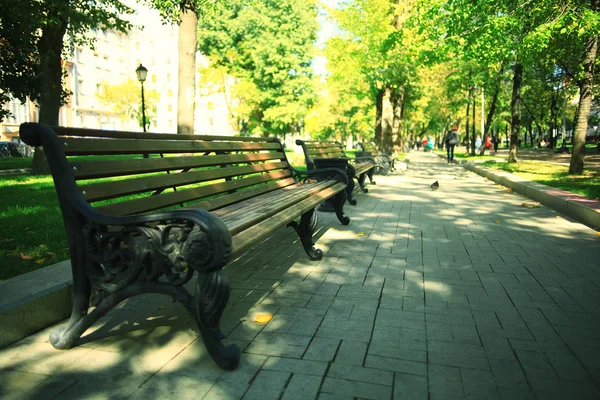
435 185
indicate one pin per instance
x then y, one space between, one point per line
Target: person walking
451 140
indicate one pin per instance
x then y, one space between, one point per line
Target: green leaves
267 46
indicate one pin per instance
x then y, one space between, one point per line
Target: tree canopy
269 47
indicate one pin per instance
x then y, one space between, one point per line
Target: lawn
32 233
15 163
557 176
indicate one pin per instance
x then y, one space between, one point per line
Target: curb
10 172
34 301
573 205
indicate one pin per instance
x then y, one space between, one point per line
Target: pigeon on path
435 185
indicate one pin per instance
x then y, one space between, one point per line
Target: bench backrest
320 149
208 172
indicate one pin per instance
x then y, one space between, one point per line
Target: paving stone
302 387
295 366
445 380
268 385
410 387
356 389
478 384
457 359
508 373
360 374
351 352
322 349
397 365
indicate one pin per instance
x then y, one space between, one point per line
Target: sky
327 30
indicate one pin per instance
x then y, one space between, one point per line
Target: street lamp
141 73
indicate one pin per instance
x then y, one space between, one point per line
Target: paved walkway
457 293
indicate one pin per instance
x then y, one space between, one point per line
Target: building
114 59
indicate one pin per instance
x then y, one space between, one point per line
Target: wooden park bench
146 225
321 154
384 161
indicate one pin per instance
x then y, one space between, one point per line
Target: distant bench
319 154
146 225
385 162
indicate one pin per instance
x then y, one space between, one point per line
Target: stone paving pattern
448 294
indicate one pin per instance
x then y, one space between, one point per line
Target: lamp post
141 73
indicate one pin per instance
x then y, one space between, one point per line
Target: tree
124 99
268 45
19 57
44 25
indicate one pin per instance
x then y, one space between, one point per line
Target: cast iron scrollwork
171 250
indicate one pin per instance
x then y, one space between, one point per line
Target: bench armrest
325 173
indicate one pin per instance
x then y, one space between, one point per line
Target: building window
79 56
81 91
137 45
170 123
168 77
170 107
153 78
152 61
151 44
169 60
211 105
169 92
98 88
211 122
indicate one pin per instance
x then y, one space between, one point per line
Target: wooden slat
252 235
146 204
63 131
363 167
110 168
241 217
77 146
233 198
114 189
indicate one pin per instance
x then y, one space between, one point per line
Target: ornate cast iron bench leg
305 230
361 182
370 175
337 202
212 294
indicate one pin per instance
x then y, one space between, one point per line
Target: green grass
32 233
15 163
557 176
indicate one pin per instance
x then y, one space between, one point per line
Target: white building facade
113 60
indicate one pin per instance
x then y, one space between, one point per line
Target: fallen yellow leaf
40 261
360 234
24 257
598 233
497 221
263 318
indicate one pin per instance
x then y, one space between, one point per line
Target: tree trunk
515 108
379 117
186 99
50 47
553 121
387 121
473 134
585 101
467 119
398 104
490 116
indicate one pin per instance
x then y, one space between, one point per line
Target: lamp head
141 73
